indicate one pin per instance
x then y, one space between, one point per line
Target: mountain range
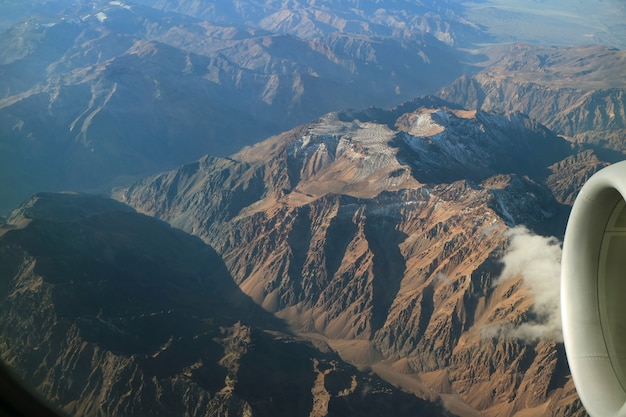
383 233
104 91
577 91
96 283
95 94
321 208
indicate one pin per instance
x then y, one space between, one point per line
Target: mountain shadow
106 311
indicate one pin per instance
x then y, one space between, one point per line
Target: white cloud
441 277
538 260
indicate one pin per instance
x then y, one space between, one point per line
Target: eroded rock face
109 312
352 238
578 92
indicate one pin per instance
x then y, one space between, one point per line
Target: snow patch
355 156
120 4
425 126
440 137
508 218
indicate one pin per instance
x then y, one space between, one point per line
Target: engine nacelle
593 292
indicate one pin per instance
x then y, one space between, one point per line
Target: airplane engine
593 292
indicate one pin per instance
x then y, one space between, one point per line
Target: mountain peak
381 232
347 157
63 207
363 154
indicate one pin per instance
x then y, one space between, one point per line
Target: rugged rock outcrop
376 234
578 92
109 312
341 228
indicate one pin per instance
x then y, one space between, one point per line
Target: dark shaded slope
109 312
577 92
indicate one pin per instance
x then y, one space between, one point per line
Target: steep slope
308 19
577 92
109 312
381 233
107 90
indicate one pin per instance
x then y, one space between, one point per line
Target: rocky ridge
109 312
577 92
107 90
341 228
315 19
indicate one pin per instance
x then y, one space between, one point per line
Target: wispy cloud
538 260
